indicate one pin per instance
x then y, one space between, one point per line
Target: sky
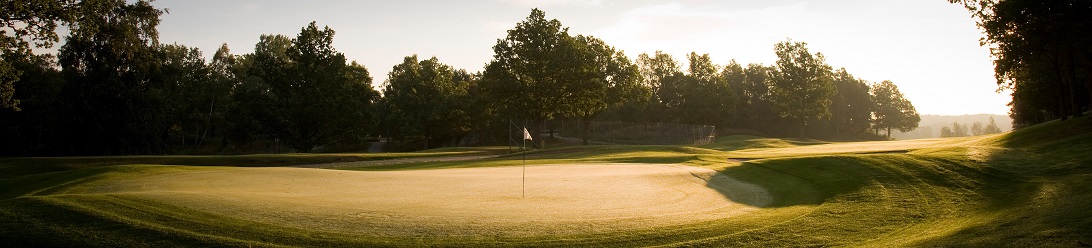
929 48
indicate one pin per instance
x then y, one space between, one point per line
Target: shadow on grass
798 181
1045 198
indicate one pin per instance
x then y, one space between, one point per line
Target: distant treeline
115 89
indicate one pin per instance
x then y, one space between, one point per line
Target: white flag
526 135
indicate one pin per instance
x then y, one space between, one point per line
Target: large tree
800 84
892 110
25 24
756 108
655 68
1041 53
305 93
328 99
851 106
424 99
608 78
537 73
701 96
115 104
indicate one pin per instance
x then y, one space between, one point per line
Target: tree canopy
113 88
892 111
1041 52
801 84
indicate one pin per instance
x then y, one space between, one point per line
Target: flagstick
524 185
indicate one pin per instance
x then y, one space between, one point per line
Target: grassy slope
1017 189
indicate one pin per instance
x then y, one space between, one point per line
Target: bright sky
928 48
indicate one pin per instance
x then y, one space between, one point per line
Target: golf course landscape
1023 188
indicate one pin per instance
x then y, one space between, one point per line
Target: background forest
113 88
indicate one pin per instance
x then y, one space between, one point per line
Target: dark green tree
756 107
801 85
655 68
1041 52
326 100
25 24
608 79
702 96
188 92
302 91
533 76
32 130
114 103
851 106
424 99
892 110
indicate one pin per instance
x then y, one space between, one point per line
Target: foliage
27 22
1041 52
114 101
851 106
539 72
425 98
530 73
801 85
892 110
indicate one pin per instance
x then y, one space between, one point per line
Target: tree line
1041 53
113 88
976 129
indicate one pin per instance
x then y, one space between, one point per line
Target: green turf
1024 188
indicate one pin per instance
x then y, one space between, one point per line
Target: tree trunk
585 123
803 125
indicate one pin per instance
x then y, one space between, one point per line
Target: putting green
560 199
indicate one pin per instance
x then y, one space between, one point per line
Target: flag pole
526 136
524 185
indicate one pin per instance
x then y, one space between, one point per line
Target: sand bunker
560 199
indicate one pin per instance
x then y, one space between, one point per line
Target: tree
801 87
892 110
959 130
991 128
26 22
303 91
702 96
977 129
654 69
609 79
733 76
424 99
327 100
535 74
946 132
253 113
188 92
32 130
1040 51
114 103
851 107
757 110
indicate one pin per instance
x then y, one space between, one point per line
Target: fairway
560 199
1024 188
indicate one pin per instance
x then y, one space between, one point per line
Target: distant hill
930 125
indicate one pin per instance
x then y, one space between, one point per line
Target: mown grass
1024 188
15 167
